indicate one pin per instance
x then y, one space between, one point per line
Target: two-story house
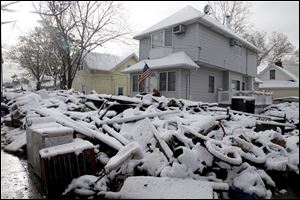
193 56
102 73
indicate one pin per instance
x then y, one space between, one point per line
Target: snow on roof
174 60
278 84
293 68
280 69
257 80
190 14
105 62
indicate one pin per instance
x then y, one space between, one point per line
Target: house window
83 89
128 66
162 39
272 74
157 39
235 85
134 83
171 81
211 84
163 81
120 91
238 50
167 81
243 86
168 38
80 67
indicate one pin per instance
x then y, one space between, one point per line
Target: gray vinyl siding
199 84
187 42
203 44
215 50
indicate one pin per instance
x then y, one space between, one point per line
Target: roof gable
190 14
106 62
280 69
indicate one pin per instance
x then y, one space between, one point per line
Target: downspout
186 84
247 66
190 85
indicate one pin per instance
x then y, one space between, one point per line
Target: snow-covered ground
165 138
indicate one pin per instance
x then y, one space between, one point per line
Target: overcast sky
269 16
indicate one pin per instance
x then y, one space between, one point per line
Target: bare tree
29 54
82 26
273 47
259 39
236 12
280 46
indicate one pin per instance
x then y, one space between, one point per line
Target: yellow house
102 73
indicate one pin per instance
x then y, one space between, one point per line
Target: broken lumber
115 134
138 117
86 131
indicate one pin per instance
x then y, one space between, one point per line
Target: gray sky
269 16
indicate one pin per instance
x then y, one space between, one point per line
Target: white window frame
167 80
164 39
117 90
213 85
238 50
137 82
273 70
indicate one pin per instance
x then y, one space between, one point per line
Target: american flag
146 72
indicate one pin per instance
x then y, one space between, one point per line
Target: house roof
293 68
278 84
190 14
174 60
271 65
106 62
257 80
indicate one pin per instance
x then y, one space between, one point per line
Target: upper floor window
272 74
161 39
238 50
168 38
157 39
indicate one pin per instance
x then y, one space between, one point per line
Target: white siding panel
199 84
279 75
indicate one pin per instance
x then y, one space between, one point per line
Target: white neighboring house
280 81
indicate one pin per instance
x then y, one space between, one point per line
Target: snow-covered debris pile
291 110
168 139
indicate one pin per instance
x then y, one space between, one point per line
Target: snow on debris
161 139
77 146
143 187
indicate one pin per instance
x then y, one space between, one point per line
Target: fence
261 97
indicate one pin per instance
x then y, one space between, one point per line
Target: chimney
278 63
227 21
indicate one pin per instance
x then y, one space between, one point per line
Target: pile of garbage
166 139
